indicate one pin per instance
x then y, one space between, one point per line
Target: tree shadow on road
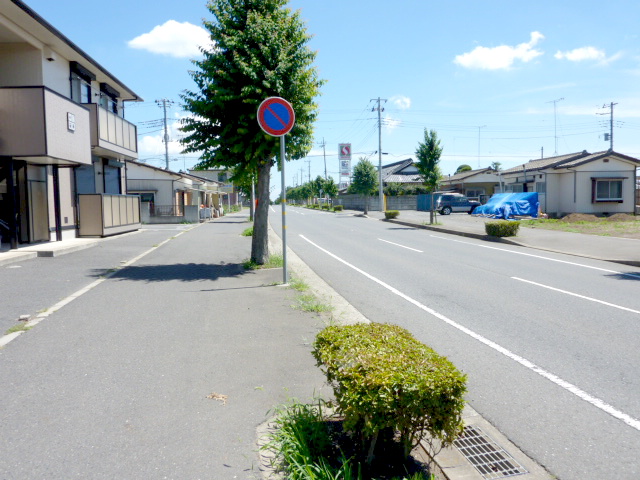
184 272
625 276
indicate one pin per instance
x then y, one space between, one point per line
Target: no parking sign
276 116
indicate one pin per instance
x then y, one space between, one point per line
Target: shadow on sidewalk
184 272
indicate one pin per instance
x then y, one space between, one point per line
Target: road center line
577 295
398 245
596 402
633 275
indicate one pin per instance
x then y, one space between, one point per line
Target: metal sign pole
285 278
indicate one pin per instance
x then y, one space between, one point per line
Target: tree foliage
428 154
464 168
365 180
260 50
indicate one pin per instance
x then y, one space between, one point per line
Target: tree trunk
260 239
366 204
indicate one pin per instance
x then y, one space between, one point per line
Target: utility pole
324 154
164 103
309 166
482 126
555 131
610 135
380 110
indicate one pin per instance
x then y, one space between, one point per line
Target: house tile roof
393 173
569 160
458 177
597 156
542 163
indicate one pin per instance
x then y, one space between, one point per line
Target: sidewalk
162 368
611 249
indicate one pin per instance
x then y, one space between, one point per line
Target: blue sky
485 75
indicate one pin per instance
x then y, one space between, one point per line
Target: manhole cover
491 460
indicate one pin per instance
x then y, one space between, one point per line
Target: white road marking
577 295
634 275
398 245
596 402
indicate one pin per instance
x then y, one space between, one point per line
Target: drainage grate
491 460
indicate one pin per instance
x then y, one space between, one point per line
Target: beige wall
20 65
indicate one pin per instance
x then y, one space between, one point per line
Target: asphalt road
549 342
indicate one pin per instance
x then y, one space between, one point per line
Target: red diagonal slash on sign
284 124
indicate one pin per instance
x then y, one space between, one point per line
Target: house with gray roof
480 183
602 183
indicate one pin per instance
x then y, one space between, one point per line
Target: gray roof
542 163
392 173
569 160
464 175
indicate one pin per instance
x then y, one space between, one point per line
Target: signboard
276 116
344 155
71 122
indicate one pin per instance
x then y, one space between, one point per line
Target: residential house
403 172
62 134
233 194
166 193
600 183
480 183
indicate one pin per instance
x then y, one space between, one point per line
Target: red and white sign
344 151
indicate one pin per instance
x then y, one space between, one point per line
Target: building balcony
41 126
111 134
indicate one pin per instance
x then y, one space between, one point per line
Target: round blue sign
276 116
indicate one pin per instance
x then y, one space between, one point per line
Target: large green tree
428 154
365 180
260 50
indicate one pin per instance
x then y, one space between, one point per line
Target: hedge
383 378
389 214
502 228
338 208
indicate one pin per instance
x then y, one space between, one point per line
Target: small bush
338 208
502 228
326 206
248 232
389 214
383 378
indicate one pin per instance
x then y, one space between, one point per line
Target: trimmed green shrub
338 208
326 206
502 228
389 214
383 378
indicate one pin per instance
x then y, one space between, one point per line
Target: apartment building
63 137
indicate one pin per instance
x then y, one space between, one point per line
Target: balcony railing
112 133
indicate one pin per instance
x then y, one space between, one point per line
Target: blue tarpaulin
508 205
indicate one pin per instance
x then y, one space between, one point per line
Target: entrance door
38 204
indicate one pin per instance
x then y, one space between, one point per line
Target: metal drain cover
491 460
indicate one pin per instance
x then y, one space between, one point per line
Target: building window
474 192
81 79
80 89
541 187
607 190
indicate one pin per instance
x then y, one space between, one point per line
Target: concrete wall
402 202
399 202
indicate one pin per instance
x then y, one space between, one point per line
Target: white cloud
502 57
401 102
581 54
389 123
173 38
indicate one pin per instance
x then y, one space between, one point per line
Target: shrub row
338 208
383 378
502 228
389 214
